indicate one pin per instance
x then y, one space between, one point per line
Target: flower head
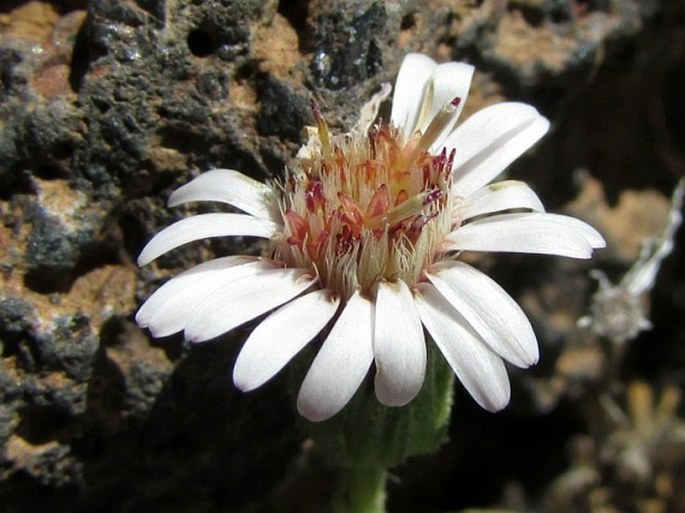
365 233
620 311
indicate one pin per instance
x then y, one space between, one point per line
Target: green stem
360 490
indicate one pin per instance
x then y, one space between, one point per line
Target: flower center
362 208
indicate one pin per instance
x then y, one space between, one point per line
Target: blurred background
108 105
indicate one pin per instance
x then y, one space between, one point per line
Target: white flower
620 311
365 234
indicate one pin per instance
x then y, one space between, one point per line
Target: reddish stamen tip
316 111
380 202
432 195
455 102
313 196
298 226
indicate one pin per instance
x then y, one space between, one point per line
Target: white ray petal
203 226
411 89
519 233
591 235
229 186
282 335
341 364
490 140
480 370
186 281
399 345
173 316
486 306
450 80
245 299
496 197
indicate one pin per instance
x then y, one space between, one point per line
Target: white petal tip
160 331
143 259
528 358
141 320
246 381
585 255
496 397
393 399
534 360
496 406
243 383
312 413
195 338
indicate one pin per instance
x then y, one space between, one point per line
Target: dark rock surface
106 106
347 46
